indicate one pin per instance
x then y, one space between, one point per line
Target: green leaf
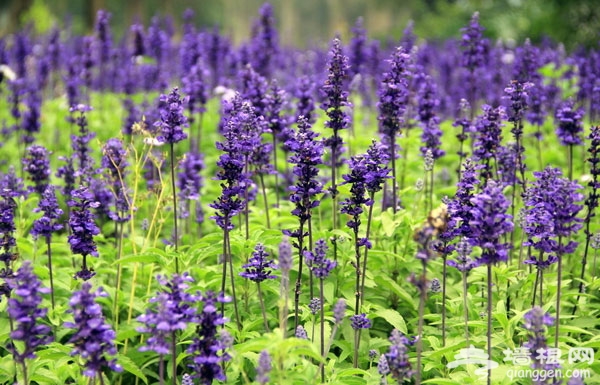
131 367
393 318
139 258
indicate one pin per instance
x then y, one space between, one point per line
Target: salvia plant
323 261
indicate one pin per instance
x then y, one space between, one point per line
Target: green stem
262 307
174 188
50 271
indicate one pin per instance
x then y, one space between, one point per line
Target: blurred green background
302 22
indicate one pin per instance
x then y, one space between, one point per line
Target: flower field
179 209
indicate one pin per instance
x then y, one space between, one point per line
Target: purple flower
536 322
253 88
397 358
335 99
463 261
339 311
209 350
83 228
94 339
171 311
305 105
551 212
428 102
285 255
189 179
474 46
80 143
301 333
67 173
488 130
314 305
393 98
263 368
459 208
489 223
259 266
25 311
31 117
194 85
317 260
37 165
114 162
360 321
307 154
48 223
11 185
172 120
569 124
265 43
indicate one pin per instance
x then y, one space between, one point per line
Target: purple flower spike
360 321
339 310
489 223
172 120
173 309
48 223
536 322
259 267
83 228
264 367
94 339
37 165
397 358
317 261
569 124
25 311
208 349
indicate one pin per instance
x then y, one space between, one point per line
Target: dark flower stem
50 271
276 171
173 357
444 272
364 269
262 307
246 206
264 194
161 370
25 379
538 278
232 276
176 240
489 319
298 288
570 165
559 281
422 298
119 271
322 321
465 305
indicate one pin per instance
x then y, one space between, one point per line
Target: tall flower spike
397 358
317 261
24 309
114 162
208 350
263 368
83 228
94 339
489 222
37 165
172 120
536 322
569 124
48 223
259 267
173 310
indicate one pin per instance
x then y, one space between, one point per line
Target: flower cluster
37 165
335 100
80 143
114 162
360 321
393 98
208 349
173 310
551 212
317 260
172 120
26 312
489 223
428 102
189 179
488 129
94 339
397 357
48 223
83 228
569 124
259 267
536 322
